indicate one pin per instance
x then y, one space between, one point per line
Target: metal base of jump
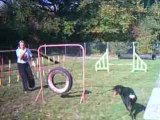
41 91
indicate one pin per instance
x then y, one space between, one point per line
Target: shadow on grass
66 95
74 94
101 86
138 108
39 87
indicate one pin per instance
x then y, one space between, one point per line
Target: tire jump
68 80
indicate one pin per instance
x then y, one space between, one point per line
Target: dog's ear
119 90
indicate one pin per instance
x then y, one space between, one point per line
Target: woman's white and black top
26 57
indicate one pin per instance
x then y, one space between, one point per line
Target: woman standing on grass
24 56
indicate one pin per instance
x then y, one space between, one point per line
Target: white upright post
45 50
133 65
9 77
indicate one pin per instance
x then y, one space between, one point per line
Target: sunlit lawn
98 105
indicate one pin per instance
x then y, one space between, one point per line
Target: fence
117 49
8 67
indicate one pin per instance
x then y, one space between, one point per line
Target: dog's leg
132 114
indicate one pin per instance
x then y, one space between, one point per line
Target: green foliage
149 29
106 20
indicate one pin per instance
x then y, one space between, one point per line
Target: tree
106 20
149 29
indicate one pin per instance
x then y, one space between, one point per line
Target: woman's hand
22 55
33 63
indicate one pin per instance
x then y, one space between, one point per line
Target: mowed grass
98 105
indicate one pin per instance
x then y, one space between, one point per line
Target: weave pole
9 72
18 77
42 60
63 59
0 81
41 91
37 69
58 58
49 64
1 68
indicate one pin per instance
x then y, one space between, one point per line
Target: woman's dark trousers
27 76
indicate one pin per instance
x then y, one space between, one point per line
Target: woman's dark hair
21 41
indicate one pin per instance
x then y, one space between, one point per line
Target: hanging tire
68 82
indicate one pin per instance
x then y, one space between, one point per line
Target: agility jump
56 70
137 63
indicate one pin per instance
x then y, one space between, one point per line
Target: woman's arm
20 54
30 54
31 58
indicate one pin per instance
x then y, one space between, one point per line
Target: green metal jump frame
137 65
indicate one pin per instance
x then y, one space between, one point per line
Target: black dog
128 96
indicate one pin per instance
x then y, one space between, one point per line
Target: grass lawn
16 105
